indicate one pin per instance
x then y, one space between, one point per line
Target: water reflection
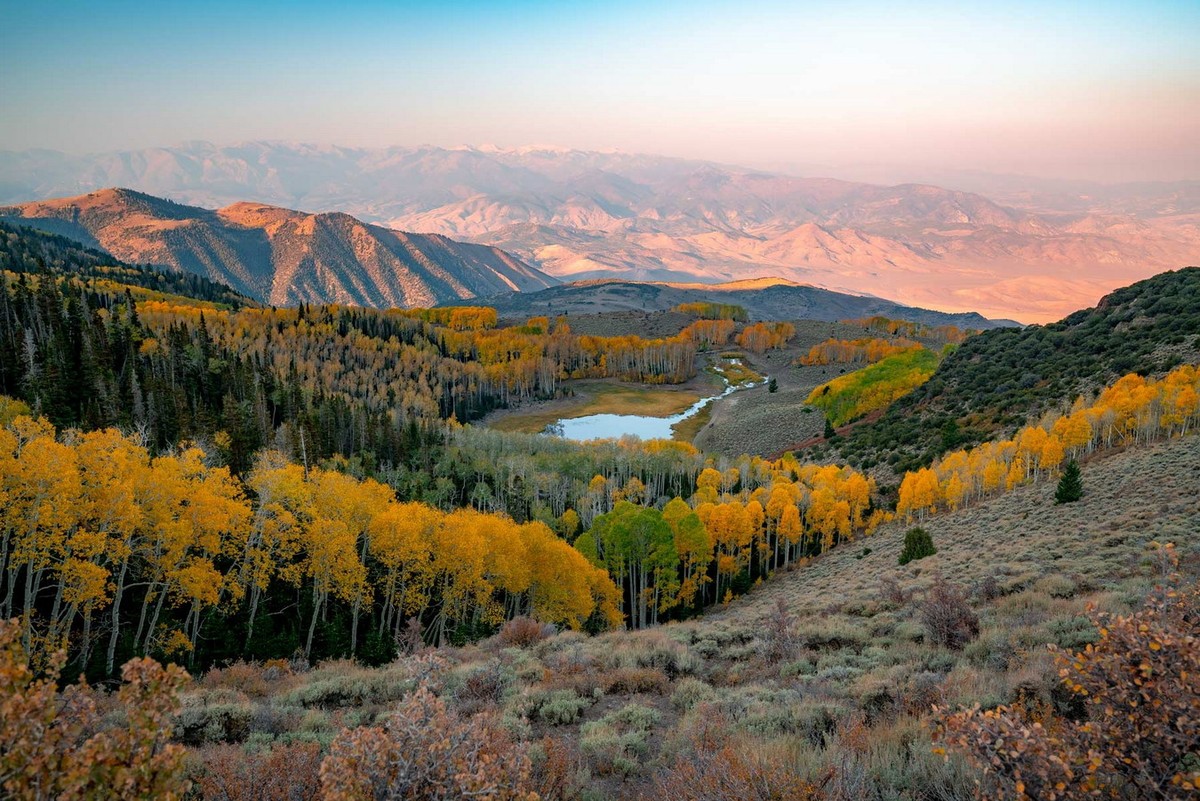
615 426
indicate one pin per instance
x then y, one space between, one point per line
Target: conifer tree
1070 486
917 545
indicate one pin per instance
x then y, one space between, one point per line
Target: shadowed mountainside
281 256
763 299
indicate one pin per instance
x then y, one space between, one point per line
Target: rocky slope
281 256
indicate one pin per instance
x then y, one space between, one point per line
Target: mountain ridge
280 255
775 301
1035 255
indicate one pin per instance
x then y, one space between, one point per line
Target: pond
615 426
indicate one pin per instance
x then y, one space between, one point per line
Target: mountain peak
283 256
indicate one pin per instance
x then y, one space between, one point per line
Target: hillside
581 214
836 690
1131 499
999 379
280 256
763 299
28 250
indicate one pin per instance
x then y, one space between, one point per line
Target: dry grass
687 430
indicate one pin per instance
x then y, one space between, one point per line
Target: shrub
199 722
892 593
556 707
653 649
729 771
1070 485
557 769
1057 586
254 680
1140 739
917 545
522 632
619 741
690 692
947 617
476 686
53 745
779 633
426 752
287 772
635 680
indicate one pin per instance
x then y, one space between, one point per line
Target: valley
589 397
354 516
600 401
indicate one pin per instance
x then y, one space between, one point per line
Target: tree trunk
111 656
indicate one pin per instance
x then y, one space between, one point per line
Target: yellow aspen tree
954 491
1052 454
355 503
1016 473
331 563
43 509
401 542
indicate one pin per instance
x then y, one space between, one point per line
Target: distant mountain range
763 299
280 256
576 214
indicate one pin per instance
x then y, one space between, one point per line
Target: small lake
615 426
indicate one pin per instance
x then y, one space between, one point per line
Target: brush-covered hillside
827 682
996 381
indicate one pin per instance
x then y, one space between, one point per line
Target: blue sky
1103 90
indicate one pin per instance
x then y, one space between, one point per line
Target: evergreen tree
830 432
772 385
917 545
1070 486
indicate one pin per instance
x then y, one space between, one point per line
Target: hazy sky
1095 89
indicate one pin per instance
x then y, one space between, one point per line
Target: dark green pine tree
830 431
772 385
917 545
1070 486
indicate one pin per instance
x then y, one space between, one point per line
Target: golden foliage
1134 410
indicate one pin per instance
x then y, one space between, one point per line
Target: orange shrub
1141 738
288 772
426 752
55 745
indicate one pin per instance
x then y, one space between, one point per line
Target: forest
112 551
84 349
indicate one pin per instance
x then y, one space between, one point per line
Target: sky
1098 90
